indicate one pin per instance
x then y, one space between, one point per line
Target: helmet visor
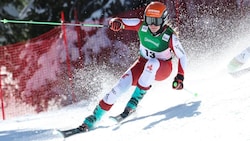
154 21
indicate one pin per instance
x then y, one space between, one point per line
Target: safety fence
38 75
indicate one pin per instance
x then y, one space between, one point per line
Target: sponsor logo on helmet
153 11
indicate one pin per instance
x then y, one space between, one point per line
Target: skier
238 61
158 44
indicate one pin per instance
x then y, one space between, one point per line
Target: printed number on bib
150 53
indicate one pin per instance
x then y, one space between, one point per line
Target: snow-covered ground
221 111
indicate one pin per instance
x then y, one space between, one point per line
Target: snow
10 8
26 9
219 112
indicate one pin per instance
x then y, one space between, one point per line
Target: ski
121 117
117 118
70 132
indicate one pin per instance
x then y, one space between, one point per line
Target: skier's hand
178 82
116 24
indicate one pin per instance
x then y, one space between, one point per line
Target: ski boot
131 105
127 112
136 98
90 121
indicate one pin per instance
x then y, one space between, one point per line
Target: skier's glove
178 82
116 24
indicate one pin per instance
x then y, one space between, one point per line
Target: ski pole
193 93
51 23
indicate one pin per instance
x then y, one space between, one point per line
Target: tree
49 10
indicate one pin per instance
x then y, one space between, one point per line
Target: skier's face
154 28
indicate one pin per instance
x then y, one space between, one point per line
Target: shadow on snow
179 111
30 135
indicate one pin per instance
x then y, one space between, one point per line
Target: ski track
219 112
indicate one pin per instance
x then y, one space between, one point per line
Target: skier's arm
117 24
178 50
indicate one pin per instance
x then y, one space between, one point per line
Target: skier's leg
107 102
144 83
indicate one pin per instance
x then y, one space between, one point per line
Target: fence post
68 58
1 96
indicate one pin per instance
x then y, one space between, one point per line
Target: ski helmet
155 13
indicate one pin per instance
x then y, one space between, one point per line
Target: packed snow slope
219 112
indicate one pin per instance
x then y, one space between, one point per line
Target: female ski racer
158 44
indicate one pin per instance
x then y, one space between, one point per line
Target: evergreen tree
10 10
49 10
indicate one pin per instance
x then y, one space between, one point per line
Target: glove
116 24
178 82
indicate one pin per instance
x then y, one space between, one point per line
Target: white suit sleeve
180 54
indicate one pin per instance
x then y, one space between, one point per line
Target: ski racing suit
153 63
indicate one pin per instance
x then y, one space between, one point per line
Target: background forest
49 10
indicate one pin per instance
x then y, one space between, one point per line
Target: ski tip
116 119
58 131
112 118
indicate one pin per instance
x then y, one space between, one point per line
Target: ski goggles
153 20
